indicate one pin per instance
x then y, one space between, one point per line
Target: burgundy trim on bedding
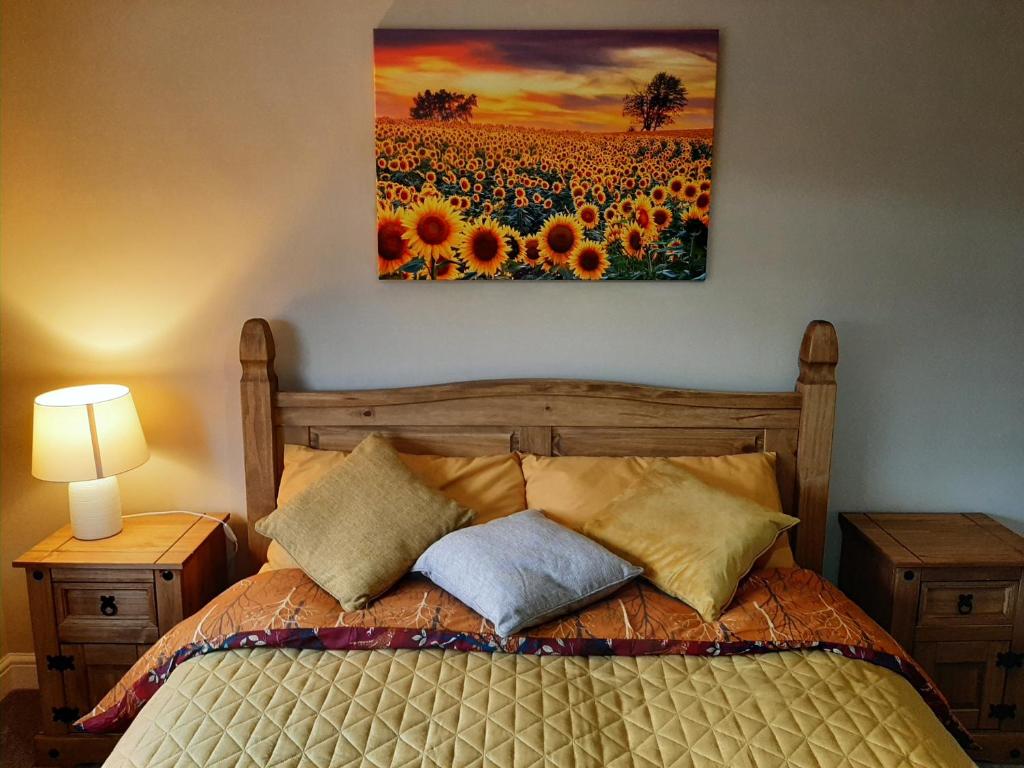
775 610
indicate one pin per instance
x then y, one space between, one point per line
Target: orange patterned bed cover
774 610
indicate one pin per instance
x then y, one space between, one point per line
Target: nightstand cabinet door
95 669
969 674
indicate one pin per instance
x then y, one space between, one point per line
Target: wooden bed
552 417
793 674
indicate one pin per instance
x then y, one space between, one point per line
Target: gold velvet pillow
694 541
571 490
361 526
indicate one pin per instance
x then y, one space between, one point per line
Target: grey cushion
523 569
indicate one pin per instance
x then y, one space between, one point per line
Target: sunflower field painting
543 154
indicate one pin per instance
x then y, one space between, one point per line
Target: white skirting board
17 671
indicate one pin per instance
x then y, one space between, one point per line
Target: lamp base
95 508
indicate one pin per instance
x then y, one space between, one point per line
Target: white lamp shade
85 433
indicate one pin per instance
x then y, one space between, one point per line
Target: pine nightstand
949 588
97 605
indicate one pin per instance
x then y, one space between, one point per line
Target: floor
19 717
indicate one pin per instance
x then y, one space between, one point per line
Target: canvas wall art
544 154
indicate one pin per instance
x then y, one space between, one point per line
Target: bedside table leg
70 750
47 648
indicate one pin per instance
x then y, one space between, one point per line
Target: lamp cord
228 533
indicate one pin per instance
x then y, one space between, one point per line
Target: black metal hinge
60 663
1002 711
1009 660
65 714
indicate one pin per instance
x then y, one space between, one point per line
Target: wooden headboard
552 417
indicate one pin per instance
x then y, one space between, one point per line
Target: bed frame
552 417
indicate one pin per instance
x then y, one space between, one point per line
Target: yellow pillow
277 558
492 486
694 541
572 489
361 526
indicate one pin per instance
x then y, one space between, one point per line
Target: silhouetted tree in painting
442 105
654 104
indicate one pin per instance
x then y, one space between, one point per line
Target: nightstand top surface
160 541
939 539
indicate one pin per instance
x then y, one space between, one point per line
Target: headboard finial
256 347
819 353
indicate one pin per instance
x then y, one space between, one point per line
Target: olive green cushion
360 527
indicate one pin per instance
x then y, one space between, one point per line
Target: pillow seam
554 609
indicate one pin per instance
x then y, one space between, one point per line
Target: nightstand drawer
90 612
960 603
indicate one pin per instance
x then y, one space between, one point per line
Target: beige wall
171 168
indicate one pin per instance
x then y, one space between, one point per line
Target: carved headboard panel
553 417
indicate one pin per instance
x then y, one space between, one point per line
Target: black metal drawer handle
66 715
60 663
965 604
1002 711
108 605
1010 660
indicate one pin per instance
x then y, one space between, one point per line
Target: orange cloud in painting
545 78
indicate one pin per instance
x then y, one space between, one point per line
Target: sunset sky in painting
568 80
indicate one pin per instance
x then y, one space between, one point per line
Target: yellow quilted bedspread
304 708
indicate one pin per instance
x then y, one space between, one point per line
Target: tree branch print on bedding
773 610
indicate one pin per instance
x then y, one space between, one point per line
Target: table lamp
86 436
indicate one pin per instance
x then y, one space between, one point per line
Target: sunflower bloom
703 201
612 233
695 220
642 214
431 228
661 216
513 242
392 251
530 253
589 215
589 261
633 241
559 237
483 246
690 191
446 269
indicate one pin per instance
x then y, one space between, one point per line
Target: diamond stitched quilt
638 634
328 709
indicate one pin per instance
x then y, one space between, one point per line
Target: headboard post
819 353
263 450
